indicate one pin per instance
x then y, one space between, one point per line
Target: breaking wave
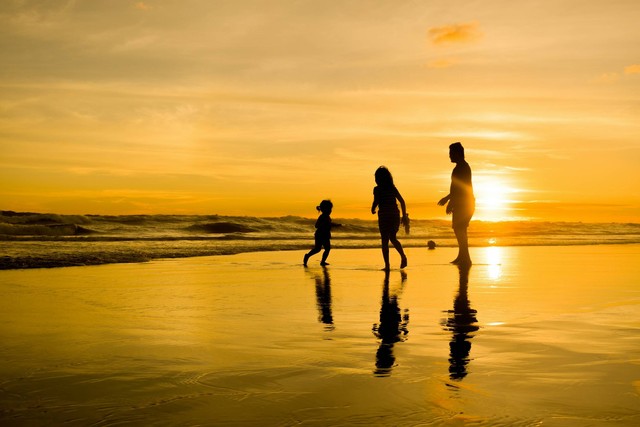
49 240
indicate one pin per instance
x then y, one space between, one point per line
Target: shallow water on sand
528 336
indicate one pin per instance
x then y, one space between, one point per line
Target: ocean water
529 336
33 240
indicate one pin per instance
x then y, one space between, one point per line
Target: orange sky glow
236 108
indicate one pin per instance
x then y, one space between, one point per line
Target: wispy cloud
608 78
455 33
143 6
615 76
442 63
632 69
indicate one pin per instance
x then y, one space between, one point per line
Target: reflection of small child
323 233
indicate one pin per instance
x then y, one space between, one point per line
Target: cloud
614 77
442 63
455 33
142 6
632 69
608 78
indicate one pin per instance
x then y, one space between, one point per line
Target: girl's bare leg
385 252
396 244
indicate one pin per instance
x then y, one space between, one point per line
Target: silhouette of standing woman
384 199
461 202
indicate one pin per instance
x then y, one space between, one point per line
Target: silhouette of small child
323 233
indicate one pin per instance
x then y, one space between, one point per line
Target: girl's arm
374 205
403 206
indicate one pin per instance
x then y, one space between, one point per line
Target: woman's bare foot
464 262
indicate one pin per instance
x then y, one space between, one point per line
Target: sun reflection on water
494 260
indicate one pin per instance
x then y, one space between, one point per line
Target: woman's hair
457 148
324 205
383 177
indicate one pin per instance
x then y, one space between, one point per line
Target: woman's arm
444 200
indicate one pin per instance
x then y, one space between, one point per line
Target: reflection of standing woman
384 199
461 202
462 322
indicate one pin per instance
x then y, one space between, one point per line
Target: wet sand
528 336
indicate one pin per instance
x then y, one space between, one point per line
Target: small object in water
431 244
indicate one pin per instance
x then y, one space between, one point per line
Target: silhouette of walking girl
323 233
385 195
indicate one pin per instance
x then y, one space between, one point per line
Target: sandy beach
528 336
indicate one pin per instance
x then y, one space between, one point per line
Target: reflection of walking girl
392 327
323 233
385 195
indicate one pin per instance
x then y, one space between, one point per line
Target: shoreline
50 259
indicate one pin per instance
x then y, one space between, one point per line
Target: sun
493 198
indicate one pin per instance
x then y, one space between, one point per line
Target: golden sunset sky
267 107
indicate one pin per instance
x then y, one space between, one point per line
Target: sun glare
493 199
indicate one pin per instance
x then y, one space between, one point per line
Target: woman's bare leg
463 246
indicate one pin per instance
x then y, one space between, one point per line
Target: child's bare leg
325 254
312 252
